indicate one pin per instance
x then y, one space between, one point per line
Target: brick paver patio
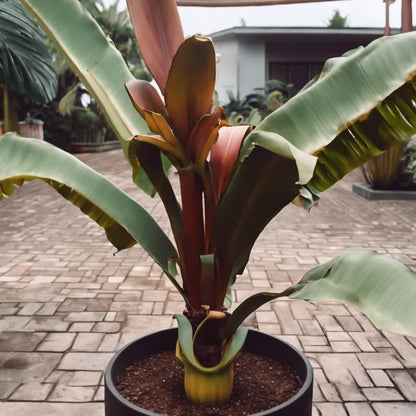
67 303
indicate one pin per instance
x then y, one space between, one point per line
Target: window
296 73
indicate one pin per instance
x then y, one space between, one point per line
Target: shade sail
224 3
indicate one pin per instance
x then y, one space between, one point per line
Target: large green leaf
94 58
362 104
152 162
25 62
260 187
381 287
123 219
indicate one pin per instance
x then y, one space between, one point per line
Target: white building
248 56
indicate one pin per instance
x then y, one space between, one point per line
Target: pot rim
303 390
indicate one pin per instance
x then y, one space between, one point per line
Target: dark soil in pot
256 384
156 383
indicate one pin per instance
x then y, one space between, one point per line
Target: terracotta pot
257 342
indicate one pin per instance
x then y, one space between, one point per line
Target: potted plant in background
232 179
26 67
31 127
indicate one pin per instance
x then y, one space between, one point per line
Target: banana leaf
94 58
123 219
362 105
381 287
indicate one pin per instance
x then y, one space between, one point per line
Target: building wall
248 57
252 67
227 68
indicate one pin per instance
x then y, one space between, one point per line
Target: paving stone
7 388
406 350
302 309
313 340
170 307
135 307
338 336
379 361
344 346
155 295
14 323
109 343
55 376
380 378
32 391
20 341
27 366
350 393
87 342
85 361
344 369
143 325
317 348
349 323
85 316
158 308
378 394
405 383
287 322
99 394
48 308
365 323
81 326
110 316
272 329
63 393
359 409
310 327
362 341
328 323
30 308
85 378
6 278
395 409
50 323
107 327
7 309
51 409
329 392
331 409
57 342
264 316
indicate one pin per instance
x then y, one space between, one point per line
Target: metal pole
407 25
387 30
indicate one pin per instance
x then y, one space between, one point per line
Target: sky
360 13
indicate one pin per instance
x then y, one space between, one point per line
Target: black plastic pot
257 342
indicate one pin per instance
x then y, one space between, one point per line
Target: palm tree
117 25
25 63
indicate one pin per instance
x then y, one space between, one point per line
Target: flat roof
227 3
238 31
